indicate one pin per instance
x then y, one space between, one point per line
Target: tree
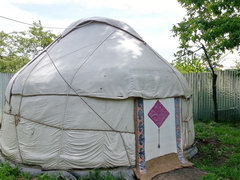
187 65
209 29
17 48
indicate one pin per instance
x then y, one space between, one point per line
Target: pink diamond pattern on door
158 114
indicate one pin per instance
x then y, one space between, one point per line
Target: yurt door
160 129
156 128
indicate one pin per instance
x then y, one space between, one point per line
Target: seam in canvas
68 129
68 90
167 65
88 56
30 62
19 108
81 97
67 98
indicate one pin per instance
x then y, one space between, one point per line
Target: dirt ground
190 173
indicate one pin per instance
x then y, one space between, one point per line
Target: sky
152 19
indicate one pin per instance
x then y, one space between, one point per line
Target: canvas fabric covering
54 138
109 64
72 106
187 128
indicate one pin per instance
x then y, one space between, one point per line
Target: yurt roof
99 57
111 22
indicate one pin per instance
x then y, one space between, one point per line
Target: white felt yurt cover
72 106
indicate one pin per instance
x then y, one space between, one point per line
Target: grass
9 173
219 150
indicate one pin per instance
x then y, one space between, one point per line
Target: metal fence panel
4 79
228 95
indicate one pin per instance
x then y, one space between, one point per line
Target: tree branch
208 59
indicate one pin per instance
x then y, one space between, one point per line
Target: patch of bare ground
190 173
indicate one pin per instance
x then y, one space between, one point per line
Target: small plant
11 173
46 176
211 177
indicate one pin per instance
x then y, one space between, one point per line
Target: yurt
98 97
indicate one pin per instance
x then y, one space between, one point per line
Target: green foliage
6 172
10 173
47 177
190 65
211 176
17 48
214 25
219 150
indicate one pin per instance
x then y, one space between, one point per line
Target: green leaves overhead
190 65
213 23
17 48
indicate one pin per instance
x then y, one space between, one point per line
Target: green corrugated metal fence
228 95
